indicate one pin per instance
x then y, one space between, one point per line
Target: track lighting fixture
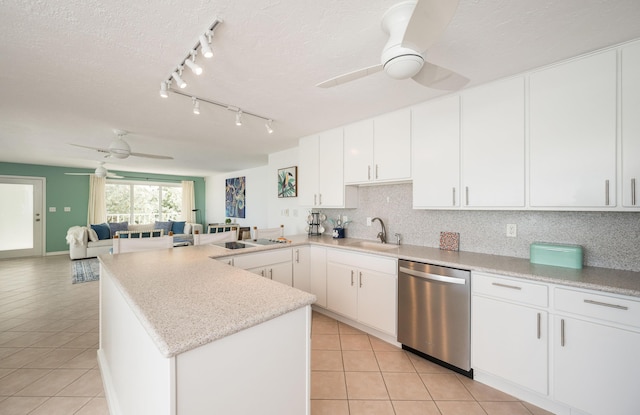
196 106
163 90
269 127
239 118
176 77
205 44
191 63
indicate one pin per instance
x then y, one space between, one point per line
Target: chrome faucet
382 235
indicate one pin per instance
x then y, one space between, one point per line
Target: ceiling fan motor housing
399 62
119 148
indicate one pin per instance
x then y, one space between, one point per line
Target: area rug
85 270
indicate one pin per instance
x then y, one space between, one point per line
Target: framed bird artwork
288 182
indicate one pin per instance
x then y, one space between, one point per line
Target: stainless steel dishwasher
434 313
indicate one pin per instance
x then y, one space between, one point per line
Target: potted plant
338 227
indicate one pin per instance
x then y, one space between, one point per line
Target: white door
392 146
358 152
377 300
21 216
342 289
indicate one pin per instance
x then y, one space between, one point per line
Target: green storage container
567 256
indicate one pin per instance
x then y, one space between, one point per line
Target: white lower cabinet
274 264
575 354
363 288
302 268
596 362
510 340
318 274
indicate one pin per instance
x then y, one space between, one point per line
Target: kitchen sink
374 246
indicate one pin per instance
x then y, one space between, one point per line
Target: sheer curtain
97 200
188 201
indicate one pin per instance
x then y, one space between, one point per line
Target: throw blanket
75 235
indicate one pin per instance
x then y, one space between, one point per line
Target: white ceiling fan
101 171
120 149
413 26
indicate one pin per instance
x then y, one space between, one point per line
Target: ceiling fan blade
101 150
151 156
114 176
78 174
437 77
351 76
428 20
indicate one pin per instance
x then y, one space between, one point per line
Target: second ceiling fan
120 149
412 26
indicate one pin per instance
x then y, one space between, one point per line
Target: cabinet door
435 137
377 300
510 341
282 273
392 146
358 152
331 169
493 156
301 268
318 275
342 289
308 178
631 125
572 148
595 370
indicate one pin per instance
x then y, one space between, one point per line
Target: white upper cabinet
631 125
378 150
572 130
435 138
492 142
321 173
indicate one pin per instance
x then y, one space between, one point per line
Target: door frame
40 244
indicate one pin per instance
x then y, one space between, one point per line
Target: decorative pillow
93 236
178 227
165 226
115 227
187 228
102 230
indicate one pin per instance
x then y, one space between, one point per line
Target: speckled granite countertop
185 300
600 279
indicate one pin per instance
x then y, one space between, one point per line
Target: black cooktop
233 245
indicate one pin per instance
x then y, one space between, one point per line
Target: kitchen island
183 334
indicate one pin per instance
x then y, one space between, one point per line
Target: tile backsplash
609 239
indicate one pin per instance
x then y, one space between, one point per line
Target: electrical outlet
344 218
512 230
368 221
52 209
295 213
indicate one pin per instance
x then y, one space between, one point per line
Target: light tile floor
48 364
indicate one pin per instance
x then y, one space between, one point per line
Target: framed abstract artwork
235 197
288 182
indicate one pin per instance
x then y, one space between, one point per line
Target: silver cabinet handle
369 172
606 192
262 272
376 172
270 273
466 194
352 278
562 332
616 306
539 322
360 279
433 277
454 196
513 287
297 256
633 192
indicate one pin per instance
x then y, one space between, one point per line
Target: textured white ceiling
72 70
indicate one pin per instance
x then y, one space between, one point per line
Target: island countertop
185 300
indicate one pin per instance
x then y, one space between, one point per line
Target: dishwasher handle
433 277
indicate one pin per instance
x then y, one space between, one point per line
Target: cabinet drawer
509 289
364 261
603 307
261 259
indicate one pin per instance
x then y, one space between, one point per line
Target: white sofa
81 247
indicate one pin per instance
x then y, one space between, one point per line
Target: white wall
264 208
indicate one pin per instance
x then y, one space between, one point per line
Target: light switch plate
67 209
52 209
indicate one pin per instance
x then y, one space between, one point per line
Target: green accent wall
73 191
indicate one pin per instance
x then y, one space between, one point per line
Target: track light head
205 46
268 126
163 90
191 63
182 84
196 106
239 118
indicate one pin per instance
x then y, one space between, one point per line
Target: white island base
263 369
